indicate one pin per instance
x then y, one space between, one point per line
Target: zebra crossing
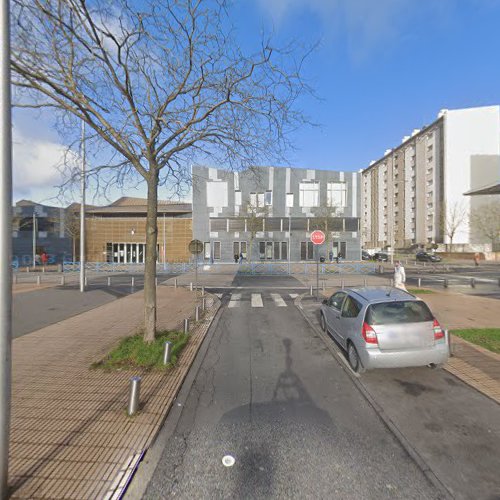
258 300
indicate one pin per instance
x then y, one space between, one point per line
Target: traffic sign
195 247
318 237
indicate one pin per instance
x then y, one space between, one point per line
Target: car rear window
391 313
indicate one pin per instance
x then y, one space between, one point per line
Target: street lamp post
82 213
5 246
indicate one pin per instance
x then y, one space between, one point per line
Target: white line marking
293 295
257 300
235 300
278 300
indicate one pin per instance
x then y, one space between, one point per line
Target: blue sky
382 68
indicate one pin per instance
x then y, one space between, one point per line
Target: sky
381 69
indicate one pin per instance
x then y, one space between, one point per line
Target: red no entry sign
318 237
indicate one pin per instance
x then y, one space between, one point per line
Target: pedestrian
241 257
236 258
399 276
476 259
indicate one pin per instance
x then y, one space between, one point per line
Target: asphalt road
270 394
453 427
39 308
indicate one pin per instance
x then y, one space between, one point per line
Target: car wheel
353 358
323 322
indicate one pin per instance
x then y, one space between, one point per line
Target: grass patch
489 338
420 291
132 352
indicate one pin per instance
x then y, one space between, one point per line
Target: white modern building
414 194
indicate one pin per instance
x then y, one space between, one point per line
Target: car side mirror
325 301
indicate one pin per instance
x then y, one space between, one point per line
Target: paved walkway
70 435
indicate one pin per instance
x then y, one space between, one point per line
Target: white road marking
293 295
235 300
278 300
257 300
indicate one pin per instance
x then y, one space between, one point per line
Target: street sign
195 247
318 237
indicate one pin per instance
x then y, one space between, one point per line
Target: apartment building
268 213
414 194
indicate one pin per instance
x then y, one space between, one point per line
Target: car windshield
391 313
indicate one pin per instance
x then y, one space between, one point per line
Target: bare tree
159 84
323 220
454 217
253 216
487 220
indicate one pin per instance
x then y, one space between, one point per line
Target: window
217 194
269 198
260 199
289 200
336 300
337 194
309 194
217 250
351 307
237 197
306 250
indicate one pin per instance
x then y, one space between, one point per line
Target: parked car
365 255
380 257
427 257
384 327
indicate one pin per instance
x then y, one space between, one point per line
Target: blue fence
246 268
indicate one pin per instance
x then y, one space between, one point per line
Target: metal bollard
62 280
134 396
203 304
167 353
473 283
186 326
191 286
132 282
109 280
311 290
419 282
175 283
38 280
445 283
197 313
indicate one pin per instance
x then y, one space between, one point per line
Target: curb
355 378
146 465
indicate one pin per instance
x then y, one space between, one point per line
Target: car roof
380 293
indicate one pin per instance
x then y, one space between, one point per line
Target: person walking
399 276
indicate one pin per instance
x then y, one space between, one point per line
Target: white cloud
35 164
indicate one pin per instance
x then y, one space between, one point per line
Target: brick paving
70 435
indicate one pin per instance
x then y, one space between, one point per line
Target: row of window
261 224
309 195
271 250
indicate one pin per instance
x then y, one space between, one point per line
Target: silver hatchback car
384 327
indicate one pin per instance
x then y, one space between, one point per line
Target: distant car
380 257
365 255
384 327
427 257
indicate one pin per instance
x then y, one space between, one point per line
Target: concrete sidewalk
70 435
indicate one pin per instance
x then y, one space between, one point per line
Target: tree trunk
150 266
